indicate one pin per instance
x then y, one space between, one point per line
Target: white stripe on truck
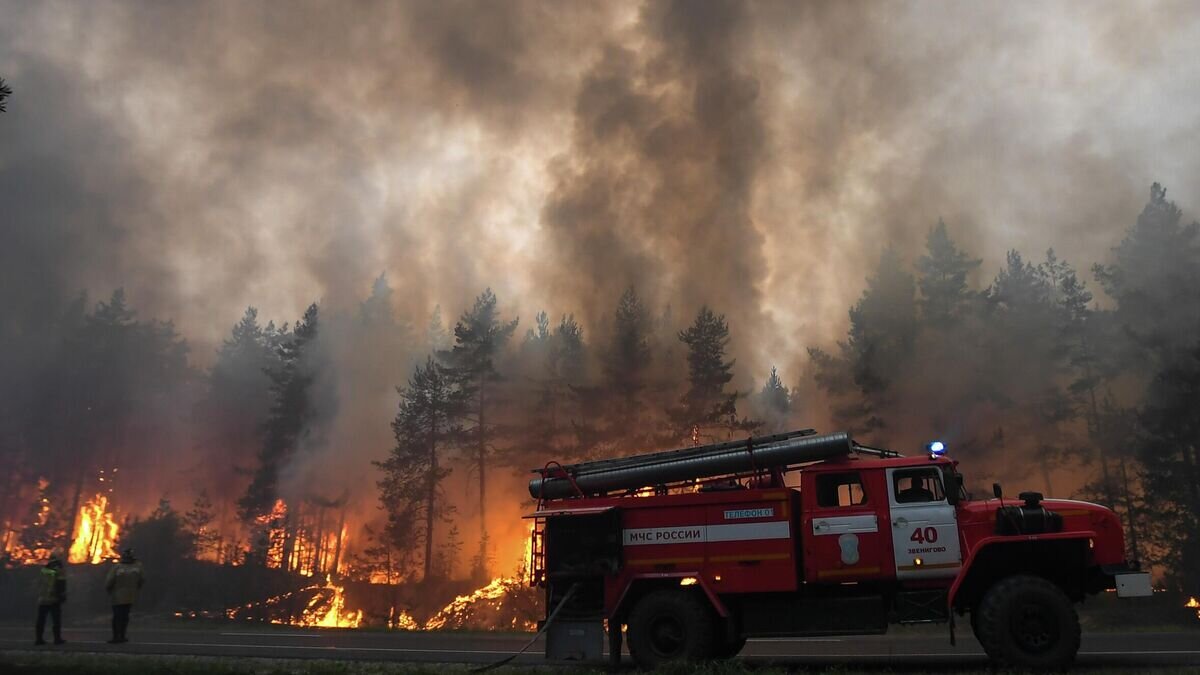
695 534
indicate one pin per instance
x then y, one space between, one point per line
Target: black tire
1027 622
670 626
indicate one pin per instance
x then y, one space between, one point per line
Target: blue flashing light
937 448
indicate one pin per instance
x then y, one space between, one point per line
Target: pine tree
943 270
235 408
376 311
883 325
539 335
292 413
879 345
1155 280
479 337
628 356
1085 341
553 361
437 338
1169 452
5 92
410 490
199 523
775 402
126 374
1023 374
706 404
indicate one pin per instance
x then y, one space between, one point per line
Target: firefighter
52 593
915 492
124 580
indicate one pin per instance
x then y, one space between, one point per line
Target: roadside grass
31 663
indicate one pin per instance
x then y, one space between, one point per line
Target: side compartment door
844 539
924 525
749 544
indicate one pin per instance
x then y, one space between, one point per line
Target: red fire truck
692 551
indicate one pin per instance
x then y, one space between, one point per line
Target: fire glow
303 543
325 609
1193 603
491 602
96 532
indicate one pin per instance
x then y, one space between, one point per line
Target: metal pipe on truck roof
691 463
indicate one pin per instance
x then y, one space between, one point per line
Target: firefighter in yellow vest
124 580
52 593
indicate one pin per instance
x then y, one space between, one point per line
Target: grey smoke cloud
755 157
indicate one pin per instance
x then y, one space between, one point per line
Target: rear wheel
670 626
1028 622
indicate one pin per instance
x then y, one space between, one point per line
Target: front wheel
670 626
1028 622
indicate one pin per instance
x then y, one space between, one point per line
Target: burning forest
300 348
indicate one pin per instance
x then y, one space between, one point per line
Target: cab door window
836 490
918 486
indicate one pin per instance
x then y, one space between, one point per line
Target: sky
756 157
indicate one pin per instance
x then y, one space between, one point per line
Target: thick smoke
755 157
214 155
656 190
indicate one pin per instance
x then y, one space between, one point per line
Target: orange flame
292 545
95 537
1193 603
405 621
491 598
326 608
332 614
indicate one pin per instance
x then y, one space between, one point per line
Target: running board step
925 606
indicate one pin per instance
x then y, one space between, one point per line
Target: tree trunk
337 549
482 450
286 556
1094 424
78 494
1129 520
430 497
320 555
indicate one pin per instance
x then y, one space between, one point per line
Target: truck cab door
924 524
844 536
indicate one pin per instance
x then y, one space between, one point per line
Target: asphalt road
924 651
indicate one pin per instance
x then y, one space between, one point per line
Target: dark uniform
52 593
124 580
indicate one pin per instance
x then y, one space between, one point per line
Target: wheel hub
1034 627
667 636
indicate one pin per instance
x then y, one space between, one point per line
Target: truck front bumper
1128 581
1133 584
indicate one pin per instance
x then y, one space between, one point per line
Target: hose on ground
549 619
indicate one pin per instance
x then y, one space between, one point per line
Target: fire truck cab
693 551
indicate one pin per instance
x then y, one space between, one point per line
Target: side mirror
997 491
954 483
